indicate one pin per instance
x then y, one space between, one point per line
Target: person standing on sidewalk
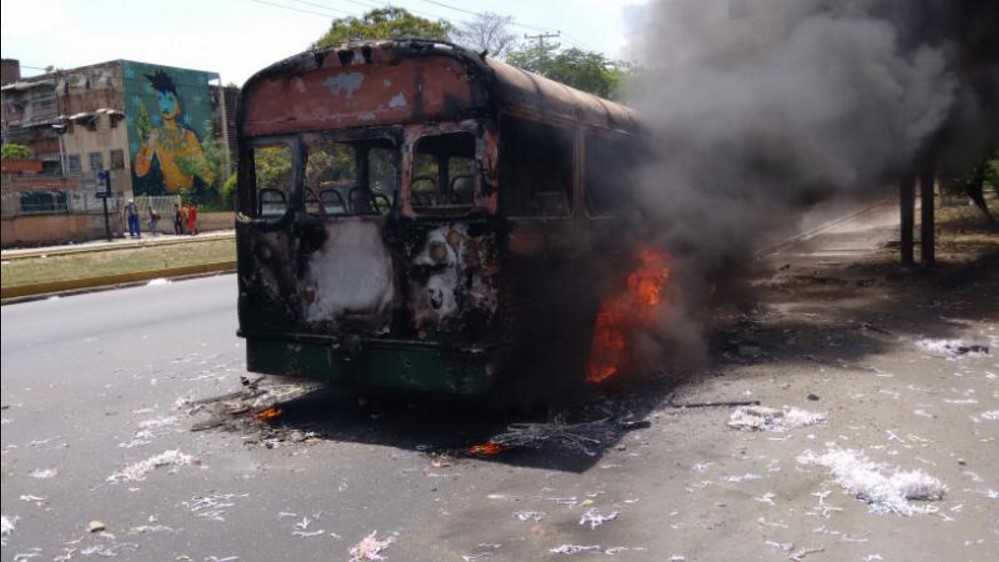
192 219
154 221
132 211
178 220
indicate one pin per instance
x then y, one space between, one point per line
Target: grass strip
115 262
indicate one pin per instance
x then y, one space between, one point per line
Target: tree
16 152
973 184
384 23
488 32
584 70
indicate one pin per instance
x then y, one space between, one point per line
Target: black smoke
760 108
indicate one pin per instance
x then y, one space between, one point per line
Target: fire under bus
414 216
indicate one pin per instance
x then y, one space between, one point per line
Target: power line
323 6
514 22
292 8
541 38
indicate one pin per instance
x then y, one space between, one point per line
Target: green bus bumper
377 363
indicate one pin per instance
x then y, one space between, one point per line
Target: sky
235 38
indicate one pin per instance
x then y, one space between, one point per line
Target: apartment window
96 161
73 163
117 159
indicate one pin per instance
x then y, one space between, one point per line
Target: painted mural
169 115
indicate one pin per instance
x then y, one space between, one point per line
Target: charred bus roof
402 81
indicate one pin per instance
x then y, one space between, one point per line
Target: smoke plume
762 107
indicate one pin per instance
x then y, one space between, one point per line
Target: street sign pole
104 191
107 221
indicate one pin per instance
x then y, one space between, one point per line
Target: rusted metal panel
519 91
398 82
425 88
453 280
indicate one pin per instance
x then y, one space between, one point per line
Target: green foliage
272 167
229 192
16 152
584 70
992 170
384 23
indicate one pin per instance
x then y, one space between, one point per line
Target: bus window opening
272 180
536 168
444 172
350 178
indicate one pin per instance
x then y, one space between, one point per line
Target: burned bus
416 216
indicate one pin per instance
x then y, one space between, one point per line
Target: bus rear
368 242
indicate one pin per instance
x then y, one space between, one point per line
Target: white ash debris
158 282
953 348
991 415
761 418
139 471
574 549
34 552
44 473
596 549
535 516
7 525
866 480
370 548
159 423
594 518
149 430
109 550
302 530
212 506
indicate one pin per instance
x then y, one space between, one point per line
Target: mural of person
173 146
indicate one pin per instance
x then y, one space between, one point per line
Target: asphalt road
93 385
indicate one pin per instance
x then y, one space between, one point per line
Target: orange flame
486 449
621 315
268 414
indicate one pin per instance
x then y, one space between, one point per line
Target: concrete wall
40 230
37 230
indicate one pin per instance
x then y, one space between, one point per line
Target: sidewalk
115 244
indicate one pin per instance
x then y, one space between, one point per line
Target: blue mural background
168 113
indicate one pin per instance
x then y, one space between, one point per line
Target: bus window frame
247 197
392 134
479 129
608 135
576 133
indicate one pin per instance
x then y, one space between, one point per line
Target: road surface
106 450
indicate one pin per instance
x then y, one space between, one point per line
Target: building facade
159 130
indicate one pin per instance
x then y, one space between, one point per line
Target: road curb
129 245
11 295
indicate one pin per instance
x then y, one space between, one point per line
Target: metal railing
75 194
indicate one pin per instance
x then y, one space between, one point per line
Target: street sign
103 183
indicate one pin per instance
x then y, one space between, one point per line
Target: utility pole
907 200
540 38
927 225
